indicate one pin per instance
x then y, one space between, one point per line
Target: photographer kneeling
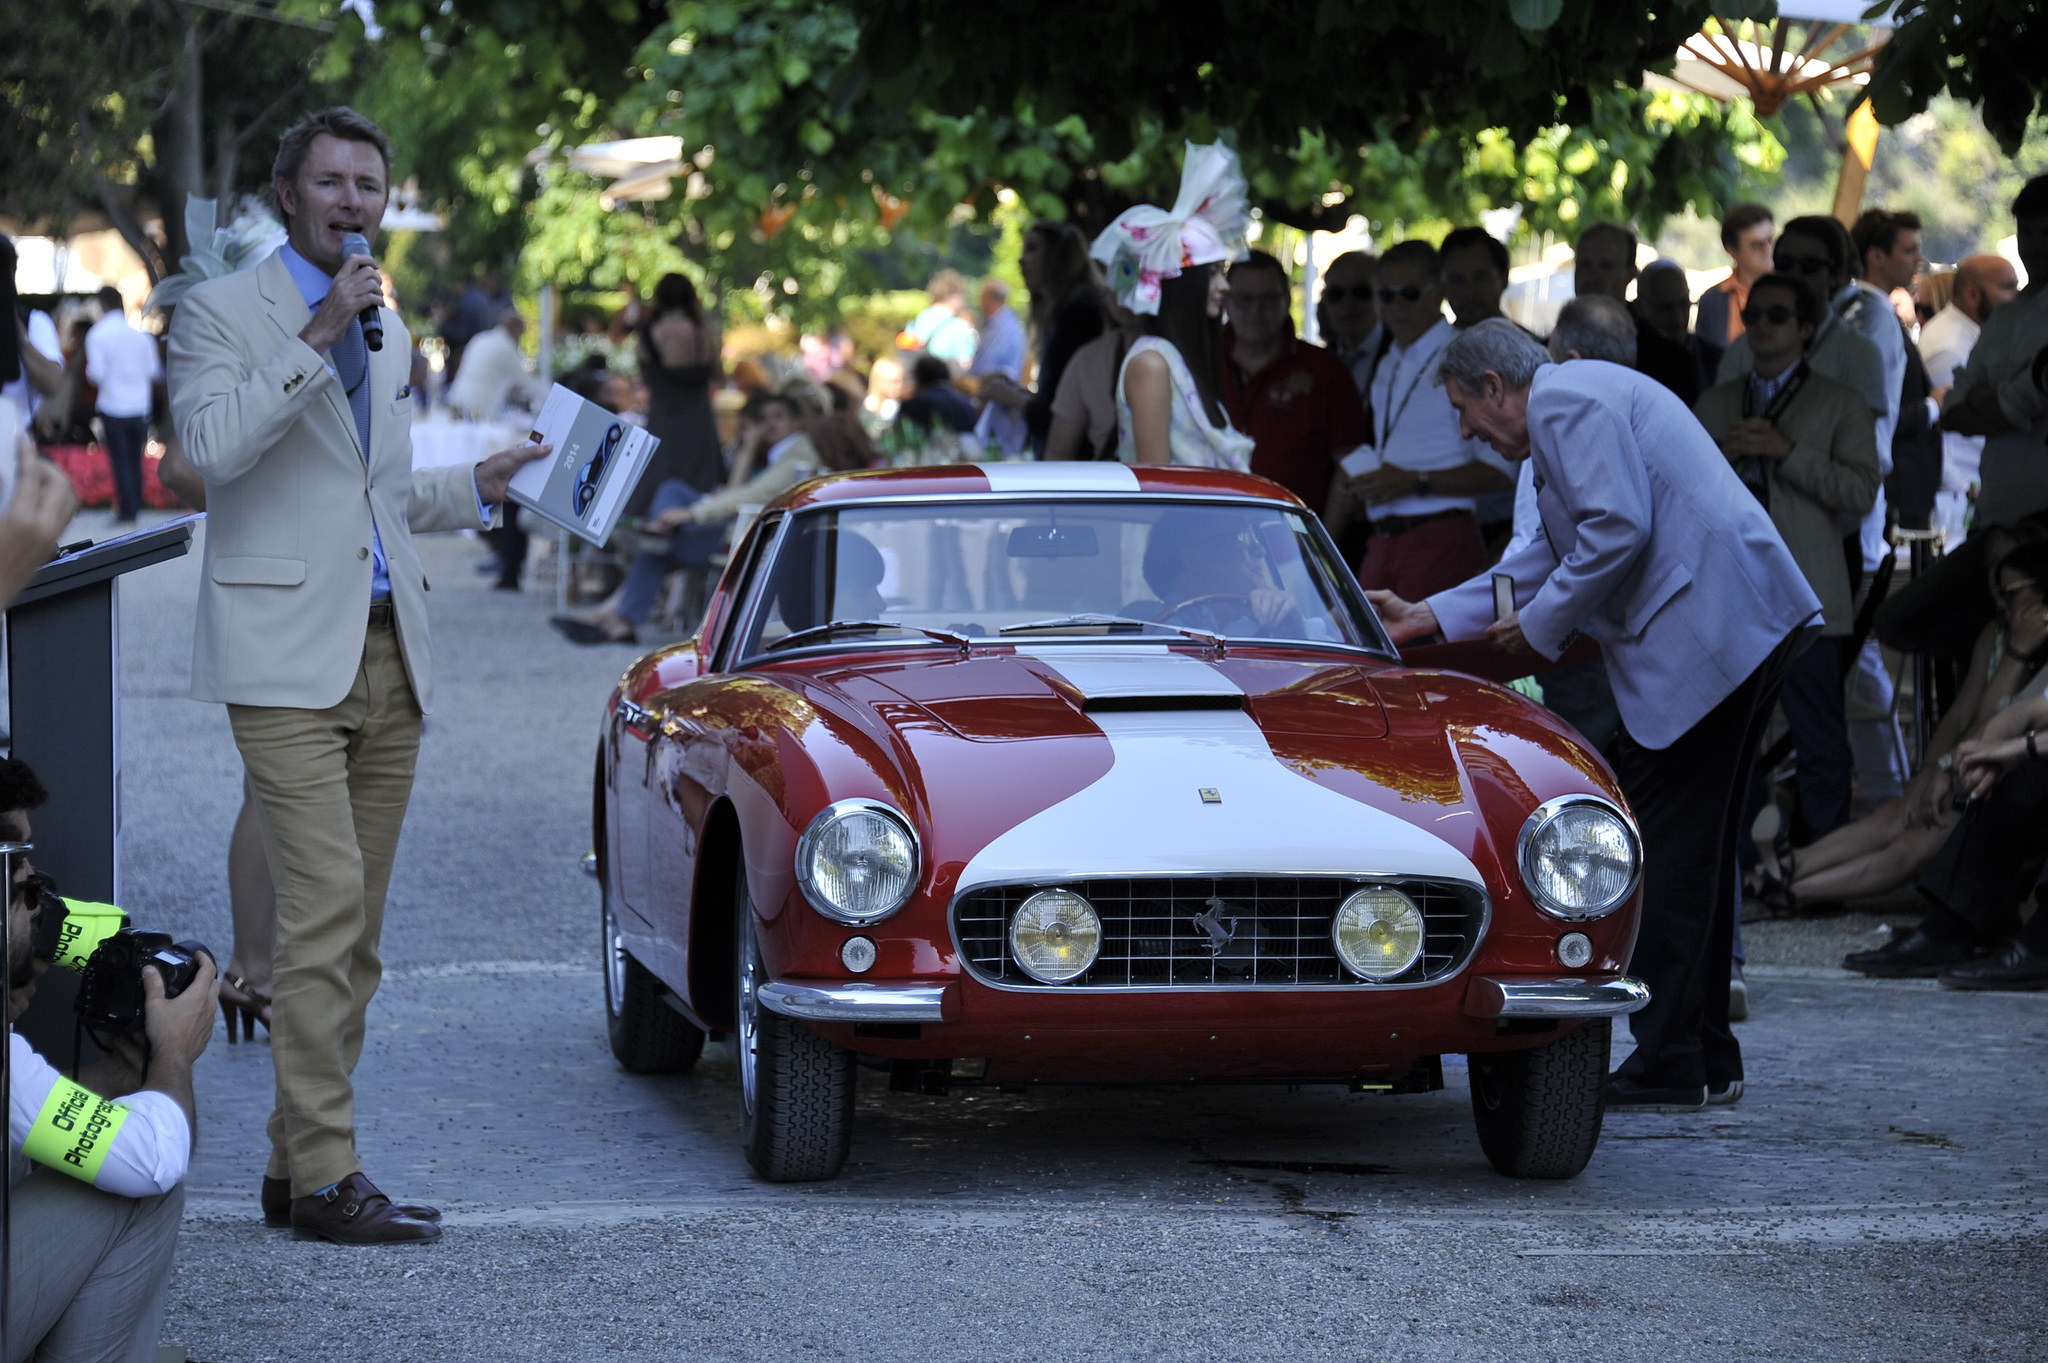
96 1184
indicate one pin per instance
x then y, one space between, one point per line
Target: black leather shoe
1626 1095
353 1212
277 1205
1916 956
2016 967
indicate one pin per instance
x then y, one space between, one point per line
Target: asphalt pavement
1878 1193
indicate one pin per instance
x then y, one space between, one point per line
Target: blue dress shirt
314 284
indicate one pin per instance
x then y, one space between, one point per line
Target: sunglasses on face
588 477
1802 264
1407 293
1337 293
1777 314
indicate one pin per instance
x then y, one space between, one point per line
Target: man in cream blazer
313 626
1651 546
1808 446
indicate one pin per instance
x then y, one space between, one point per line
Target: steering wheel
1177 607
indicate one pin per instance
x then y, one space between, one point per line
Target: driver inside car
1211 573
856 586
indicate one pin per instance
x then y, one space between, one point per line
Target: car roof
1028 478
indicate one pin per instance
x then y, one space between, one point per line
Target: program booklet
598 459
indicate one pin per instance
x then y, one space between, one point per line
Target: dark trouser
509 542
1982 873
691 546
1581 694
1687 798
1820 735
126 436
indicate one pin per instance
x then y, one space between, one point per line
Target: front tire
1538 1111
796 1088
647 1036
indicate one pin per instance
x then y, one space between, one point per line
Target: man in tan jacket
1806 446
312 625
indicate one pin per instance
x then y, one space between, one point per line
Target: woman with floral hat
1167 267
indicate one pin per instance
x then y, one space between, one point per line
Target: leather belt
1400 525
381 616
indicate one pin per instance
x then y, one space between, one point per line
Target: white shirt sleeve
151 1151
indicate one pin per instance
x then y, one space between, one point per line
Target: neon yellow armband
86 925
74 1131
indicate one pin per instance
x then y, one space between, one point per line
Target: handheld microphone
372 317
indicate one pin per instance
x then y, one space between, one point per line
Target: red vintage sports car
1075 773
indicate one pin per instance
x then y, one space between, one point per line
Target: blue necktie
352 367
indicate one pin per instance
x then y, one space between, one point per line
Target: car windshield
1028 571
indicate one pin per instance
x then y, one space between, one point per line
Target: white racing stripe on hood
1099 672
1059 476
1146 815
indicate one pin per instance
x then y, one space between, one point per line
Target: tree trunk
227 150
181 144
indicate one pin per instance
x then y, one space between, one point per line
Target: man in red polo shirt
1296 401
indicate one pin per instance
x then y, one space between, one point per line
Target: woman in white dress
1167 267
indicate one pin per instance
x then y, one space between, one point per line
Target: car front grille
1163 933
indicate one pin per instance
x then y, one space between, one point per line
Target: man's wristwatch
1422 482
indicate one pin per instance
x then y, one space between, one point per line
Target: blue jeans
690 547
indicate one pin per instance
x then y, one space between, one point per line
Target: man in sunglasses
1806 445
1815 251
1422 495
1351 312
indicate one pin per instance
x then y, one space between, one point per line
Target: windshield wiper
945 636
1200 636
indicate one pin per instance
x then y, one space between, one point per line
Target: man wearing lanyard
1421 494
312 625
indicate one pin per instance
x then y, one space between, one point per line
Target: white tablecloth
439 440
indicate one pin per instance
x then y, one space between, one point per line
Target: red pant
1425 560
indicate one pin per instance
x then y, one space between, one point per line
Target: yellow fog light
1055 936
1378 933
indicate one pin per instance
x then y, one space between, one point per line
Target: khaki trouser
333 786
90 1271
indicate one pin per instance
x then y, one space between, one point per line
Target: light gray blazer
1651 546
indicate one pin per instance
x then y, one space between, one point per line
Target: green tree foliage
1991 53
123 107
818 132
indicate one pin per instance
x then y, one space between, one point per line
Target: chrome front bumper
856 1002
1493 997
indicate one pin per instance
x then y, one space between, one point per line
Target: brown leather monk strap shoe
353 1212
277 1205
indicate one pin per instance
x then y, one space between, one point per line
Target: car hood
1055 761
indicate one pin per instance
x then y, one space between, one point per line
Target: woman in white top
1167 267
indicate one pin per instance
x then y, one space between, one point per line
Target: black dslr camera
110 996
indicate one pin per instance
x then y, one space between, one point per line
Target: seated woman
696 522
1891 845
1211 574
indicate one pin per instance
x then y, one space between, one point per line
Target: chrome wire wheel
614 960
747 1035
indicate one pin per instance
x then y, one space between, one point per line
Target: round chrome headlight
1580 857
1378 933
1055 936
857 861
